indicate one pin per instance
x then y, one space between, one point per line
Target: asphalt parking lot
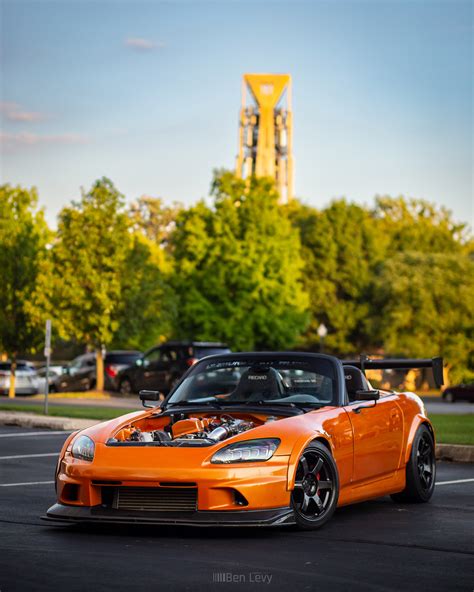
376 545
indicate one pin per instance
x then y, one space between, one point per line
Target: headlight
248 451
83 447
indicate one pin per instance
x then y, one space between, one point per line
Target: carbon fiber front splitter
60 513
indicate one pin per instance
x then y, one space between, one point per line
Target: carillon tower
265 130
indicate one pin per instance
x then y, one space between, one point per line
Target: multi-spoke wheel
420 470
125 387
316 489
425 461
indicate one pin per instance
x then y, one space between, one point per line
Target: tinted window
19 366
168 355
153 356
202 352
122 358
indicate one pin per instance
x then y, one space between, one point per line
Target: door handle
359 409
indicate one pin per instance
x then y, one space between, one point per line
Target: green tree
238 268
418 225
89 259
426 308
152 218
146 310
341 246
23 249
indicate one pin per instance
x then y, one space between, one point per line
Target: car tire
314 497
449 397
125 387
420 469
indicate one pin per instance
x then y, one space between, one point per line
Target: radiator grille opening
155 499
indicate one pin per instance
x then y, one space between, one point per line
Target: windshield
278 382
201 352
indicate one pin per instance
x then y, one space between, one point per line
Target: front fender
298 449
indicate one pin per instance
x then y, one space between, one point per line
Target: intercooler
155 499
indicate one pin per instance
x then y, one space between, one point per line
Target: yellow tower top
267 89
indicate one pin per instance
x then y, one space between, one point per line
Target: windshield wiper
194 404
261 402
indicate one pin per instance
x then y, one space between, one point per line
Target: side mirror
150 396
363 395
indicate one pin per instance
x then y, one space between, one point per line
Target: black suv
80 374
161 367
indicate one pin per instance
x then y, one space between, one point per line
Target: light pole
47 355
322 332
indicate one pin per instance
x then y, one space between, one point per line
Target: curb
33 420
455 452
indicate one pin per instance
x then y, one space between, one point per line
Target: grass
72 395
82 412
454 429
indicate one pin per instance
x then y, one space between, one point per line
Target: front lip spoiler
60 513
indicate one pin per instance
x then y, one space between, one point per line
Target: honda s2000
252 439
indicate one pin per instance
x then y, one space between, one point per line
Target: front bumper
20 390
61 513
257 486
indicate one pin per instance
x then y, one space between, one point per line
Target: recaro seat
355 381
258 383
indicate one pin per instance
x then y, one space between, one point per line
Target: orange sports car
252 439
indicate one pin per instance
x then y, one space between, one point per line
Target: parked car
26 378
161 367
293 436
54 372
459 392
80 374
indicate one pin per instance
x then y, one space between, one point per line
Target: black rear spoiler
366 363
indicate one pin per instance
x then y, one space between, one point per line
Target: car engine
190 431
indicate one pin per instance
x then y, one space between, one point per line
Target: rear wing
366 363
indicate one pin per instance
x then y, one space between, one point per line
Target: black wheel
314 497
449 397
420 470
125 387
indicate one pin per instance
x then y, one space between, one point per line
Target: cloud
141 44
12 140
15 112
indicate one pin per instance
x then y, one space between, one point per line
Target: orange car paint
370 443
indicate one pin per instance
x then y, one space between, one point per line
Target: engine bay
187 429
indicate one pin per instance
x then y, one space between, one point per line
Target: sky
148 94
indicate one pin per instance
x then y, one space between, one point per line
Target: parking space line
28 455
453 482
25 434
29 483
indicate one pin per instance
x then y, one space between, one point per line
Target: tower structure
266 130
